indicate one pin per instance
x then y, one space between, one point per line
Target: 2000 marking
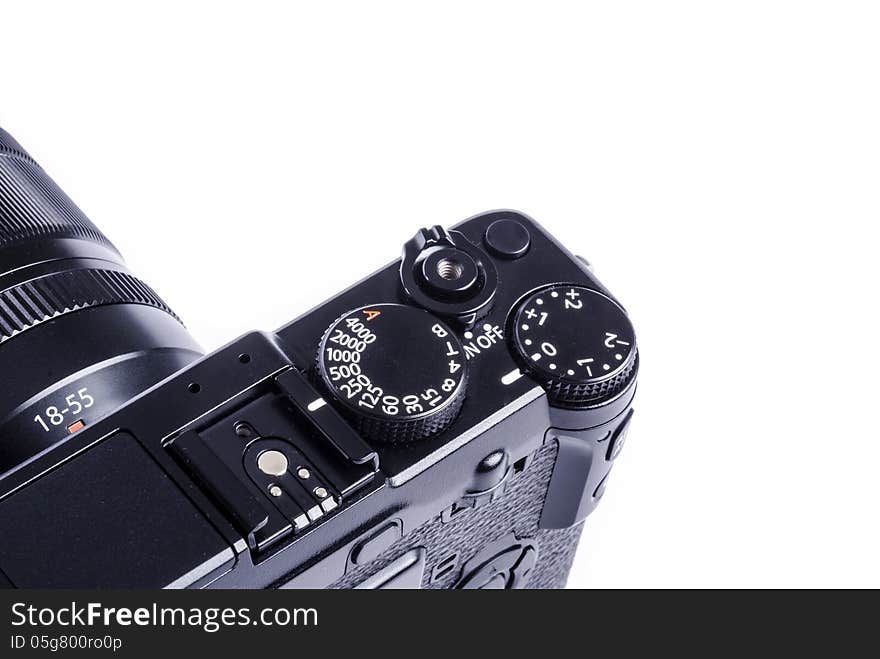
75 404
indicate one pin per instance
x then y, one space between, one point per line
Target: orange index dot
76 426
371 314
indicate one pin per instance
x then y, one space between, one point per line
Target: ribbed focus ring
35 302
9 147
32 206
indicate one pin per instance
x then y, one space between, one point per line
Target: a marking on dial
316 405
554 294
552 367
511 377
539 301
468 335
573 294
570 372
618 356
536 356
371 314
528 342
606 367
525 328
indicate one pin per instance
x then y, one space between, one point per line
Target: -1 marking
586 362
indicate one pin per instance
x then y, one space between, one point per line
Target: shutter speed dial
395 371
578 343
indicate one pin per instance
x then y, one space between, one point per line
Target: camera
447 422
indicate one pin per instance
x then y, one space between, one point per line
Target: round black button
508 239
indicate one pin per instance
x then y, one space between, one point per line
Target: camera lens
79 334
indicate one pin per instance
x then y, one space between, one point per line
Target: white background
718 162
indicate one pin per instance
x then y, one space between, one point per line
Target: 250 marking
355 384
76 403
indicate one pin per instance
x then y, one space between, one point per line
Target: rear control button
619 439
405 572
600 489
496 582
508 239
523 569
503 564
370 548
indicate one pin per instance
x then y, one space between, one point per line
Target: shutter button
508 239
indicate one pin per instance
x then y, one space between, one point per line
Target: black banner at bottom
325 623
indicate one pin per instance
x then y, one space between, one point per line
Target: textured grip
457 541
32 206
39 300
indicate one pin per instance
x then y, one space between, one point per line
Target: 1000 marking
74 403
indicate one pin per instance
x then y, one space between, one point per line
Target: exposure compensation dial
397 372
578 343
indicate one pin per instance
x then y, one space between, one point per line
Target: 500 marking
75 402
350 379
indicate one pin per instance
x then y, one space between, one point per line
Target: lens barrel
79 334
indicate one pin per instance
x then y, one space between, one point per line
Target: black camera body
449 421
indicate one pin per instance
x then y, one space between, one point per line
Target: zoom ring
32 206
35 302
